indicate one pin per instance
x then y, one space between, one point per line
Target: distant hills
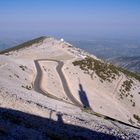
106 49
122 53
8 43
129 63
23 45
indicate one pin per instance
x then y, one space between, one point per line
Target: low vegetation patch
23 67
27 87
127 85
16 75
125 90
105 71
137 118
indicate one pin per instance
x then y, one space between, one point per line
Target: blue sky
70 18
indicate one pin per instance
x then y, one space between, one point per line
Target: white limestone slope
18 72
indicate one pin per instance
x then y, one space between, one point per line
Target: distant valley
8 43
129 63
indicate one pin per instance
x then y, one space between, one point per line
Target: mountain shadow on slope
83 96
20 125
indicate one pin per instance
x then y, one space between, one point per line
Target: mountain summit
51 90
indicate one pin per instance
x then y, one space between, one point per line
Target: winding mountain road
37 82
38 88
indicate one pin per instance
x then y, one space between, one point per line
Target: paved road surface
37 83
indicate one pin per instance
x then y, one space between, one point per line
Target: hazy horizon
74 19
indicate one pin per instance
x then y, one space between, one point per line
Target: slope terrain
52 90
